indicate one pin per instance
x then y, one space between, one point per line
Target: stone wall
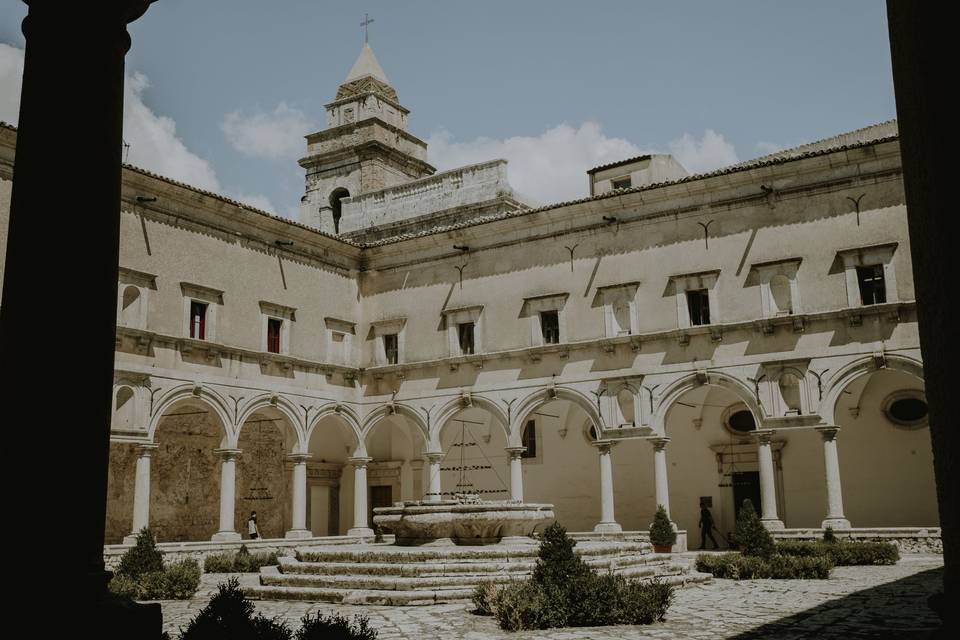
262 479
907 539
185 477
120 481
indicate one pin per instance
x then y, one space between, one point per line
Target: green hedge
177 581
842 553
739 567
565 592
240 562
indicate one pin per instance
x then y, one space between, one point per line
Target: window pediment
343 326
201 292
137 278
278 310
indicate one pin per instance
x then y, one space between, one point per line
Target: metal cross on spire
365 24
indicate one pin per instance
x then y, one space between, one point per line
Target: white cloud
711 152
273 135
552 167
154 144
11 73
153 140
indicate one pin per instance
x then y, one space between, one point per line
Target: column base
772 524
361 531
130 539
608 527
835 523
299 533
226 536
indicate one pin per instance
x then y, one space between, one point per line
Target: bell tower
365 146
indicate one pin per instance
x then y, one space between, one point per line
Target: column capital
146 448
828 431
604 446
228 454
659 442
764 436
298 458
515 452
359 462
434 457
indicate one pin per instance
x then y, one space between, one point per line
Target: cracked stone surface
856 602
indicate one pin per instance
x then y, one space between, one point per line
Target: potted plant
662 534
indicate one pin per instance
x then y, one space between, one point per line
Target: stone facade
739 334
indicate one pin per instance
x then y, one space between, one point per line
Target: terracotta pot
660 548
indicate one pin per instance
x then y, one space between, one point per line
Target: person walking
255 532
706 527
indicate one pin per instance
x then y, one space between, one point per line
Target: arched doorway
331 442
263 476
885 455
185 472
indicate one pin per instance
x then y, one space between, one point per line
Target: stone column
299 527
608 523
360 526
768 486
831 462
516 472
434 492
141 492
228 495
662 488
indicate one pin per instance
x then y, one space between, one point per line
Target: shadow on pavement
896 609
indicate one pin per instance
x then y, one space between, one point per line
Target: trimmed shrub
739 567
143 558
644 603
335 627
565 592
751 536
229 616
829 535
179 581
525 606
842 553
863 553
661 531
483 598
123 586
240 562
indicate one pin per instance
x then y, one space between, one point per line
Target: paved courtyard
857 602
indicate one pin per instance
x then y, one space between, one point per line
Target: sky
220 93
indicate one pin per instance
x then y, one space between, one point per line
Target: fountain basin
457 522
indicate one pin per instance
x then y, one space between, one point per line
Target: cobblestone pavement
856 602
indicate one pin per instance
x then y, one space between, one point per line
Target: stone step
380 554
290 565
404 597
385 583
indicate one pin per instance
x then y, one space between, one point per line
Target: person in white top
252 526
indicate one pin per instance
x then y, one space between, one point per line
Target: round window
906 408
741 421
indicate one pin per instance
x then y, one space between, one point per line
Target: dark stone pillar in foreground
924 74
57 320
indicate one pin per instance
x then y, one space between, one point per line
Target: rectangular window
530 440
391 348
550 326
698 302
873 288
198 320
465 336
621 183
274 327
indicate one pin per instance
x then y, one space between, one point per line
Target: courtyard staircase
391 575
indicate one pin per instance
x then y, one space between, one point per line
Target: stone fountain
465 520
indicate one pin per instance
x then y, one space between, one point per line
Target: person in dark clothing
706 527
